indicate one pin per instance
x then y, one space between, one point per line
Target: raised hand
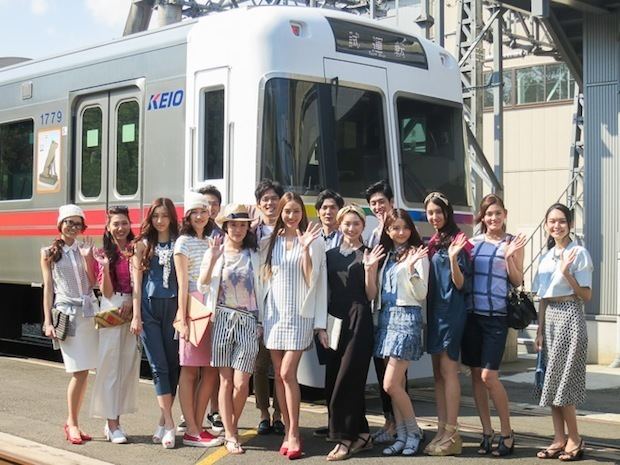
567 261
86 247
457 245
414 255
517 243
373 257
312 232
216 247
101 257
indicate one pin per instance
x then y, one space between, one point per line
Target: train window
213 144
16 160
431 150
318 135
127 147
91 152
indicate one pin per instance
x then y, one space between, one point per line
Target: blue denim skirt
399 333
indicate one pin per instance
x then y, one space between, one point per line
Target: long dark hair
188 230
110 246
386 241
249 241
485 203
450 229
568 214
54 253
303 224
148 232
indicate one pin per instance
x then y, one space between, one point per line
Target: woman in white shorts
229 278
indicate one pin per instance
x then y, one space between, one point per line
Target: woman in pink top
118 369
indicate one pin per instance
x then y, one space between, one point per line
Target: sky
38 28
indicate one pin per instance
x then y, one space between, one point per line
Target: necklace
557 256
164 254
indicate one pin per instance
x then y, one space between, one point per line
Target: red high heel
85 437
295 454
283 450
72 439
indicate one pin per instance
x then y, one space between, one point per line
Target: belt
563 298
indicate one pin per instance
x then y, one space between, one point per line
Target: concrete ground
32 411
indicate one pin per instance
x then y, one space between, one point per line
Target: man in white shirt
327 205
380 198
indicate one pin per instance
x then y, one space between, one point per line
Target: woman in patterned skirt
563 282
295 306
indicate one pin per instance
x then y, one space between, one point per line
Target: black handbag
60 322
521 310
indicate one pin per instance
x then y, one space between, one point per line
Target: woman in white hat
230 280
68 279
197 377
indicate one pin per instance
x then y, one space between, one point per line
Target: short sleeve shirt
194 249
549 281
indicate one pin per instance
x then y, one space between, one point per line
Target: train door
210 117
108 160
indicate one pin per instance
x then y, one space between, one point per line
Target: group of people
272 285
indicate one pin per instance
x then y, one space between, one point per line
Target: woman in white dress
295 306
68 279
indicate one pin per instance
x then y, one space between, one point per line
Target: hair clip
436 195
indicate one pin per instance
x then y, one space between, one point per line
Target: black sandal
366 444
551 452
573 455
502 449
338 457
486 445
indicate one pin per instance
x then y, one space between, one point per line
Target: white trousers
118 372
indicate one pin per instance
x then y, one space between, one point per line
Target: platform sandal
486 445
450 445
502 449
574 454
551 452
441 427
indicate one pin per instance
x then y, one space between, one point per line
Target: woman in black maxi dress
349 268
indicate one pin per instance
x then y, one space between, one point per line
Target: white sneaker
115 437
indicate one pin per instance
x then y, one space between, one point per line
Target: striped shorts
235 344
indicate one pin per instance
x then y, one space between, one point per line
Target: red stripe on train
43 222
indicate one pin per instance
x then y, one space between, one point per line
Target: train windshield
432 155
318 135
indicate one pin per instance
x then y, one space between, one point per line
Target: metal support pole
439 23
498 103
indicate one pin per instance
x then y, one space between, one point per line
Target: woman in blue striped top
497 262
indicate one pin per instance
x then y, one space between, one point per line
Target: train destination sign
371 42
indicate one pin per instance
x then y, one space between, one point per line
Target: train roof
177 34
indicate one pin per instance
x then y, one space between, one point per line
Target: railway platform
32 410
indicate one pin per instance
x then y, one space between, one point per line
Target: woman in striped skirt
295 306
229 278
563 282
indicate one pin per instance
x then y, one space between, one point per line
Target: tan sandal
335 455
450 445
441 428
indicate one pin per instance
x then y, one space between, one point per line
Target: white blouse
549 281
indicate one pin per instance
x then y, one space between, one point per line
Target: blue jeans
162 350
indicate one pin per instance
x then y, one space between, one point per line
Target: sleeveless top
160 280
70 277
490 282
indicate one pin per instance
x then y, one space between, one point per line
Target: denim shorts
399 333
